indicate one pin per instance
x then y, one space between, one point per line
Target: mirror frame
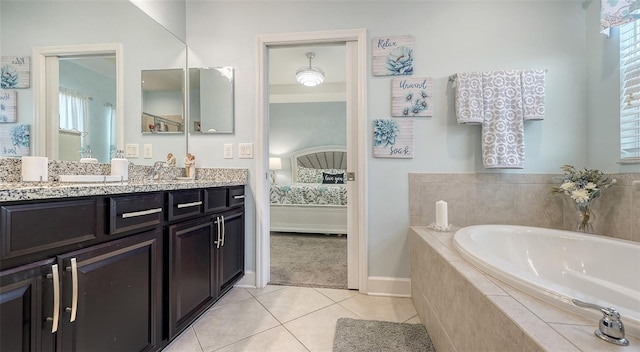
43 143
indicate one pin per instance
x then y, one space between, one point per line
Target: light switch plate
148 151
228 151
132 151
246 150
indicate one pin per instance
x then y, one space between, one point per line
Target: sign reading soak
393 138
14 140
15 72
392 56
411 97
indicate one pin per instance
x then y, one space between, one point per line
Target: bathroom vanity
124 268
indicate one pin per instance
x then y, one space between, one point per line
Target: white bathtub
557 266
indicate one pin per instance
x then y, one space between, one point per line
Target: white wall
450 36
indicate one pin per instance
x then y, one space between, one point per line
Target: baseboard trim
248 280
388 286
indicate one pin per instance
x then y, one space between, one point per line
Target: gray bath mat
354 335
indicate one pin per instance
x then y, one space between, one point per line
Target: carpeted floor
312 260
354 335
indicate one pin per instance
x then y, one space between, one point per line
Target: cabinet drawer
215 199
135 212
236 196
182 204
31 228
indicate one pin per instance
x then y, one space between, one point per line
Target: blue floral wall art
15 140
411 97
393 56
393 138
14 72
7 106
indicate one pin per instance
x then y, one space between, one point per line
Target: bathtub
556 266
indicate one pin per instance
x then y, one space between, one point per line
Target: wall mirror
162 101
211 100
91 23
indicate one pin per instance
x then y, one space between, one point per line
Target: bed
316 201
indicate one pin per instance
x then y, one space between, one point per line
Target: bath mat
355 335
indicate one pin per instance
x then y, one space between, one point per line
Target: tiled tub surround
12 189
522 199
466 310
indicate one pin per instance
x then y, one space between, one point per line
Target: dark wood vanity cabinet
115 273
206 256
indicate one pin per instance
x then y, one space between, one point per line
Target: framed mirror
162 101
211 100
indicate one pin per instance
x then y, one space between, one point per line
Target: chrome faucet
156 172
610 328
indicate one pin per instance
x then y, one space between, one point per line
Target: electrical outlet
246 150
148 151
228 151
132 151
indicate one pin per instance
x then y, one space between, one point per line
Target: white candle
441 214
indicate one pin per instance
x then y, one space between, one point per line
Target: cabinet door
231 251
111 295
191 272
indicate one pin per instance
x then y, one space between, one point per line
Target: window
630 91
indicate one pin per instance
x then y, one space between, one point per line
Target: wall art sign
8 105
411 97
14 140
15 72
393 56
393 138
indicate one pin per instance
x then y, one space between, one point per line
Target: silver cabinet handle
219 241
56 297
224 232
141 213
187 205
74 287
239 197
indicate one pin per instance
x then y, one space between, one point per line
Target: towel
503 123
468 98
533 94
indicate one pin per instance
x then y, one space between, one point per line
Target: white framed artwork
8 106
15 72
393 56
411 97
15 140
393 138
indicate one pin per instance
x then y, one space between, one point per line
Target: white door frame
356 147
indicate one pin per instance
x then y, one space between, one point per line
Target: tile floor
284 318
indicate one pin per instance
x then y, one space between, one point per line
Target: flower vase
586 217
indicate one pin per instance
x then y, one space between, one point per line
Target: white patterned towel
503 124
533 94
468 98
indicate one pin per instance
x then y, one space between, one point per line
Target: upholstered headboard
322 157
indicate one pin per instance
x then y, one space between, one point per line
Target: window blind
630 91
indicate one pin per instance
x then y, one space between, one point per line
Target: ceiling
286 60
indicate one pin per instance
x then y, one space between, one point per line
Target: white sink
90 178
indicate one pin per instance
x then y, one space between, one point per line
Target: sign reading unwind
411 97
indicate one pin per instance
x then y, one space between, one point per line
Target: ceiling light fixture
310 76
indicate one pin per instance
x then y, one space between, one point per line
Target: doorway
307 140
354 41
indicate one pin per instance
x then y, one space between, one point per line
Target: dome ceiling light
310 76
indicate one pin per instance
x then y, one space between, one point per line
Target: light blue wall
450 36
296 126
